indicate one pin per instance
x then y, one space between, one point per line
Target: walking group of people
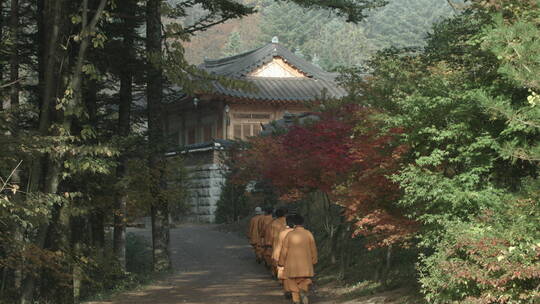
288 250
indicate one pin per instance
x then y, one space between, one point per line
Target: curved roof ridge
230 58
242 64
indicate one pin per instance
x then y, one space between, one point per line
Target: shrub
493 259
103 273
232 204
138 255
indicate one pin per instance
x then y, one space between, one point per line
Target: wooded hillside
321 36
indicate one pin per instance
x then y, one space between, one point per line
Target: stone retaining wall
204 190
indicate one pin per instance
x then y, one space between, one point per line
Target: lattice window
245 130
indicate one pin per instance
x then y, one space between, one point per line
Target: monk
264 225
298 255
271 235
276 250
253 234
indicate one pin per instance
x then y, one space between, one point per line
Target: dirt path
210 267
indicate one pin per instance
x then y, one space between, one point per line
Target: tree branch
5 183
5 85
97 15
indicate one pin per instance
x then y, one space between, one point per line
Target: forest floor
213 266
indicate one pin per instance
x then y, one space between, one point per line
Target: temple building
200 126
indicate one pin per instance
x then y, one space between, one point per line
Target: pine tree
521 64
334 50
404 23
233 46
122 50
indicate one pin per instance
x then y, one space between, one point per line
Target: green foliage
138 254
104 275
345 258
339 44
517 48
467 105
232 204
454 165
493 259
404 23
233 46
494 256
514 41
354 11
178 180
292 24
138 184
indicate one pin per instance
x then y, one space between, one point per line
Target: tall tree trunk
50 28
124 118
97 215
4 280
88 26
14 108
2 26
388 265
55 20
98 228
333 229
78 228
14 54
90 101
154 90
41 48
120 206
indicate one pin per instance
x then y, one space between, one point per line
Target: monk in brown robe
271 237
276 250
253 234
298 255
264 225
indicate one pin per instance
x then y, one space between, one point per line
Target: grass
135 284
361 289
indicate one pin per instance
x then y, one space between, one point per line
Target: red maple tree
350 164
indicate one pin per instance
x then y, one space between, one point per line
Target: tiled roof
242 64
285 89
316 84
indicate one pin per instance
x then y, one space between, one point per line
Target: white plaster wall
273 69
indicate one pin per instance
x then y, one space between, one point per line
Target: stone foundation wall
204 191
